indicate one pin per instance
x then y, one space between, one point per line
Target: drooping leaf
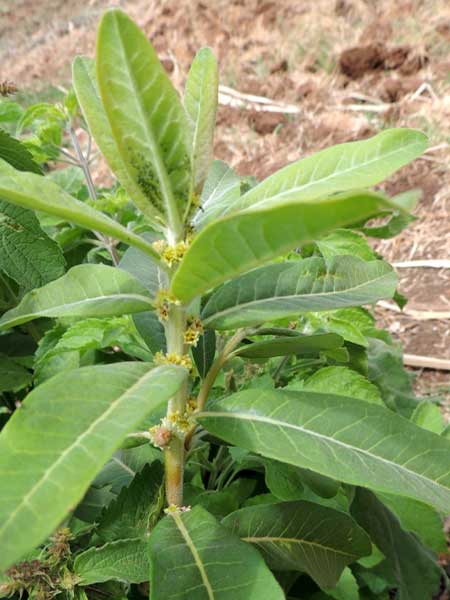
200 103
203 353
193 557
348 166
121 560
146 117
40 193
52 448
13 376
398 220
221 191
29 255
285 289
88 95
16 154
85 291
302 536
283 346
343 381
347 439
408 563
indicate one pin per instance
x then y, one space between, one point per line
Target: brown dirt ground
353 67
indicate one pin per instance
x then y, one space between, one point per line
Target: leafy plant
192 392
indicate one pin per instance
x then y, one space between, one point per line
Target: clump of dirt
394 89
265 122
355 62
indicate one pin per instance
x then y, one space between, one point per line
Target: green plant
212 410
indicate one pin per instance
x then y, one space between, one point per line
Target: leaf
200 103
203 353
284 481
40 193
347 439
222 190
398 220
429 416
135 511
193 557
285 346
223 502
411 566
345 242
285 289
122 560
85 291
302 536
146 117
28 255
138 264
68 427
16 154
346 588
88 95
348 166
13 377
151 330
343 382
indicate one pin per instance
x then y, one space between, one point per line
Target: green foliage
192 386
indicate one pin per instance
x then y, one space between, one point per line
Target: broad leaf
145 270
349 166
147 119
13 376
429 416
53 447
345 242
88 95
408 563
40 193
302 536
283 346
285 289
343 381
193 557
16 154
85 291
122 560
200 103
28 255
221 191
237 243
348 439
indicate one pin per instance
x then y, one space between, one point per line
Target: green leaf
285 289
193 557
346 588
345 242
28 255
151 330
203 353
88 95
351 440
145 270
122 560
68 427
343 382
348 166
85 291
302 536
429 416
244 240
13 377
407 562
16 154
147 119
222 190
40 193
399 219
285 346
283 480
136 509
200 103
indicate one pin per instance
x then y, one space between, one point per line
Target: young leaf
68 427
203 353
88 95
348 166
28 255
200 103
85 291
121 560
193 557
146 117
16 154
245 240
283 346
222 190
146 271
348 439
285 289
302 536
40 193
407 562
